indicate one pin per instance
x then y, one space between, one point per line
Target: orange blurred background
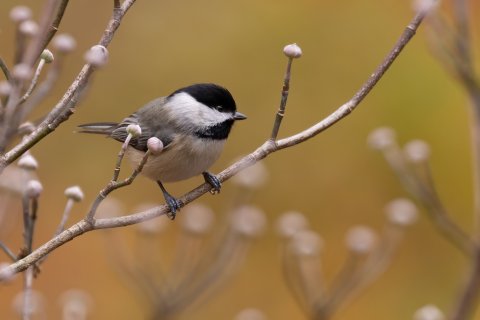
334 179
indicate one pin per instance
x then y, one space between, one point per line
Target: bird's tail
98 127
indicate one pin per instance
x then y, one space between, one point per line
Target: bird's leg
172 203
213 181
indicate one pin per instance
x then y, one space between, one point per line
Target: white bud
290 223
155 145
110 207
47 55
401 212
381 138
306 243
134 130
6 274
28 162
248 220
26 128
197 219
76 304
429 312
250 314
252 177
20 13
5 88
75 193
64 43
292 51
22 71
28 28
417 151
97 56
36 303
360 239
34 189
425 5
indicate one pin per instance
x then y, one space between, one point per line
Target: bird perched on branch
193 124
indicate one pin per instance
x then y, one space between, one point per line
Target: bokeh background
334 179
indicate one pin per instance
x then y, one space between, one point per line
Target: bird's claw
213 181
174 206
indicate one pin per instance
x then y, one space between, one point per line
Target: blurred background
334 179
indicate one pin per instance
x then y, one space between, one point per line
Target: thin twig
33 84
65 216
283 102
7 251
260 153
120 156
5 70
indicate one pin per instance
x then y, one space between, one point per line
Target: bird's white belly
180 160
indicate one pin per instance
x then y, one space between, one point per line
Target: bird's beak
239 116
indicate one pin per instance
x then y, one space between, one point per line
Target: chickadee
193 123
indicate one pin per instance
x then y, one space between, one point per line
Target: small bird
193 124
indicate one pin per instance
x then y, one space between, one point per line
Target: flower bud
20 13
6 274
76 304
381 138
249 221
97 56
28 162
28 28
5 88
26 128
401 212
429 312
360 239
252 177
64 43
197 219
307 243
417 151
36 304
21 71
155 145
425 5
134 130
75 193
292 51
34 189
250 314
47 55
290 223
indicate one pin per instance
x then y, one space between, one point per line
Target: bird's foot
174 206
212 181
171 202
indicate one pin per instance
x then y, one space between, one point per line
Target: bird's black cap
211 95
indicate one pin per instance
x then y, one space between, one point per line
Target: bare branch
48 27
67 104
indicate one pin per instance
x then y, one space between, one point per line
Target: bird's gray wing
149 118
